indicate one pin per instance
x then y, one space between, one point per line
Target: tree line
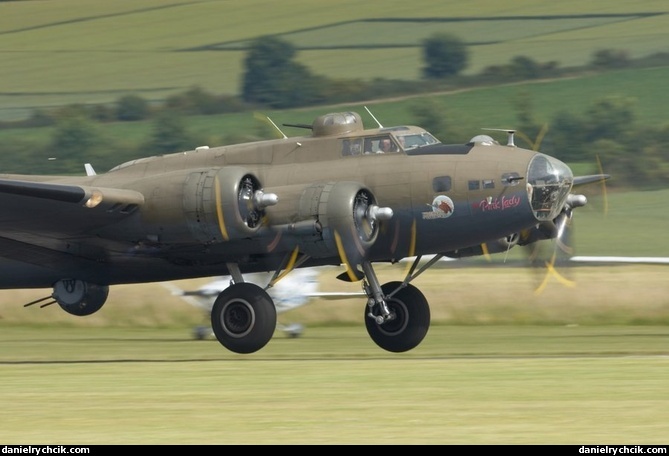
274 79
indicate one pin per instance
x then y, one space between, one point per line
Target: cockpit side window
386 143
416 140
380 145
351 147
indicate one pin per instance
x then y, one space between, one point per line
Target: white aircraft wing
620 259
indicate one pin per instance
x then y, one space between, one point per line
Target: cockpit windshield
416 140
549 183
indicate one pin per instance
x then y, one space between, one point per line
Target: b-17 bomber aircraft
339 195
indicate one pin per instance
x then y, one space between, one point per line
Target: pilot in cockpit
386 145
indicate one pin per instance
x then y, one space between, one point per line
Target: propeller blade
563 240
534 145
562 251
486 253
412 247
351 274
540 136
601 171
552 272
354 239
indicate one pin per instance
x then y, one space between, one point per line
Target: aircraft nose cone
549 183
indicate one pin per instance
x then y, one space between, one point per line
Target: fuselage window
441 184
474 185
380 145
351 147
488 183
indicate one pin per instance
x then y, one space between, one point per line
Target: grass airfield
463 385
559 374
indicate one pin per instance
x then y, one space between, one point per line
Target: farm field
74 51
474 108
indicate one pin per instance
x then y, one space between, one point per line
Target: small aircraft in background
289 293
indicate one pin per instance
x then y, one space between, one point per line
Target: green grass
463 385
500 365
598 232
460 293
92 52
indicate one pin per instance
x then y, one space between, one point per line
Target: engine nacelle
207 206
328 210
225 204
540 232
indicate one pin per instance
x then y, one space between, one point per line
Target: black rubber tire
411 324
243 318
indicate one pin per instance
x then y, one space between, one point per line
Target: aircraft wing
333 295
620 259
191 298
61 210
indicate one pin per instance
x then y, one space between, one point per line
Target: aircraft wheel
411 322
243 318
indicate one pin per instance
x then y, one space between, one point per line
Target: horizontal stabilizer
583 180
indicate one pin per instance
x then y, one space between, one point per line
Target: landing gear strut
397 315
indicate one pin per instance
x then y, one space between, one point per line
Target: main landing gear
243 317
397 314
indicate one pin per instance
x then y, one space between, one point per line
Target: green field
67 51
475 108
464 385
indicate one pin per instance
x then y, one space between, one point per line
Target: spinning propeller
561 248
556 252
353 240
